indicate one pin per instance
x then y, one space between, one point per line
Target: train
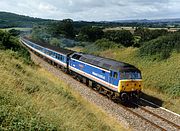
115 79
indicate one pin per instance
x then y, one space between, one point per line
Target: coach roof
104 63
54 48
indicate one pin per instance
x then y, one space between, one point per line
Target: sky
94 10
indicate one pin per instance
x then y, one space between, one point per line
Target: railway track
137 111
169 125
143 118
161 117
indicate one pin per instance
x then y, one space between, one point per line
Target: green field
17 28
131 29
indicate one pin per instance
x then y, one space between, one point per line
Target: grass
131 29
161 78
33 99
17 28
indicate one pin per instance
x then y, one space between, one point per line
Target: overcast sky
94 10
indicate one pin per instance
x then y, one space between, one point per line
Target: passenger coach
57 55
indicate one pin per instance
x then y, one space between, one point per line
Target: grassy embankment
33 99
160 71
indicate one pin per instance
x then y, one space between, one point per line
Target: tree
1 34
123 37
39 33
14 32
147 34
67 27
6 40
89 33
62 28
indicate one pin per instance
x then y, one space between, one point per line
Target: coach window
56 56
115 75
62 58
51 53
47 51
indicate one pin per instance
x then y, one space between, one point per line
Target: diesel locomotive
114 78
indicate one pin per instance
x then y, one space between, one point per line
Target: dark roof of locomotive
105 63
54 48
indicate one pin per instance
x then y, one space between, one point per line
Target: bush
100 45
7 41
146 34
104 44
56 42
18 118
14 32
162 46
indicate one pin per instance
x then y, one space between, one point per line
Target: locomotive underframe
123 96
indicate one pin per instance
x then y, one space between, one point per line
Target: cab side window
111 74
115 75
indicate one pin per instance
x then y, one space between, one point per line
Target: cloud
94 10
47 7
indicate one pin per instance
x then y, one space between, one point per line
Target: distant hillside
15 20
152 23
175 20
8 20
